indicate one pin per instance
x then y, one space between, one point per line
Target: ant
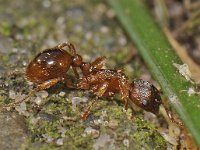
50 67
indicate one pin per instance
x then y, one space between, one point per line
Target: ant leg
169 115
73 53
72 49
102 89
40 87
83 84
75 72
124 90
87 112
126 103
62 45
69 45
70 84
98 62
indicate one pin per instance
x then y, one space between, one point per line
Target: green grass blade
159 57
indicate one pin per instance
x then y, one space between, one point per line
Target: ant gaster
50 67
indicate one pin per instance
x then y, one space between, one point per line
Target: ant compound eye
77 60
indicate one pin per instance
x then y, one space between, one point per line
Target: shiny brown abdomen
49 64
145 95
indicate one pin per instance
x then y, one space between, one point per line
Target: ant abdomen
145 95
49 64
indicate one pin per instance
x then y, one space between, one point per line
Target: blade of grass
160 57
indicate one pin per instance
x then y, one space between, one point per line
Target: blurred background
28 27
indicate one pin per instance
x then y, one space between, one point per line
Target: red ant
50 67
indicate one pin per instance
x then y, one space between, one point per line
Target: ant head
145 95
76 60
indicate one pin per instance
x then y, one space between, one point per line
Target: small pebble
101 8
77 100
38 100
91 132
47 138
104 29
113 124
59 142
46 3
97 122
62 131
21 108
110 13
168 138
126 142
122 41
104 142
62 94
12 94
42 94
34 120
88 35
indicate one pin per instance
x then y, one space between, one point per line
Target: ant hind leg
164 110
69 45
87 112
40 87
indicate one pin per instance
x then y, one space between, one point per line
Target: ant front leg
98 62
42 86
